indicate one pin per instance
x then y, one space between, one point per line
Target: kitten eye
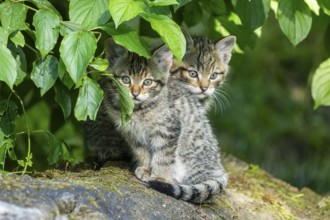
214 75
147 82
192 73
126 79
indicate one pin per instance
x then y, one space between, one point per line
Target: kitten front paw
142 173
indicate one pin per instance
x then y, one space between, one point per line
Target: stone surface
114 193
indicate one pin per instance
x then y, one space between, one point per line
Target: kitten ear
189 40
113 51
163 58
224 48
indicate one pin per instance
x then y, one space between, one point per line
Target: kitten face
141 84
204 66
145 78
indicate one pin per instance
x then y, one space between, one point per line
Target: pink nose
203 89
135 94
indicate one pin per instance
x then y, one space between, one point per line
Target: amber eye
193 74
214 75
147 82
126 80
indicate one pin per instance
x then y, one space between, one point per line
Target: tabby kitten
152 129
169 133
204 67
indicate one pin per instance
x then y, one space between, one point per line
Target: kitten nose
135 94
203 88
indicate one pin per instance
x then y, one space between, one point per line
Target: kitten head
145 78
204 66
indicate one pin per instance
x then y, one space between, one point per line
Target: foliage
56 48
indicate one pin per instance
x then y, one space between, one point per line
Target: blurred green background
270 120
266 116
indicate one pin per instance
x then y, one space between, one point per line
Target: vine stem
28 132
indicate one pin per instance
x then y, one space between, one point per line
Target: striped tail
198 193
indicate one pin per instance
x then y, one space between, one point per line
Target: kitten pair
169 133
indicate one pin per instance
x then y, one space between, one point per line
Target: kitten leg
163 167
142 170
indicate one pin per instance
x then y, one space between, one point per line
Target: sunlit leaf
321 84
45 73
162 2
100 64
89 100
170 32
313 5
12 16
47 30
124 10
127 37
253 13
126 102
77 50
3 36
325 5
89 13
44 4
295 20
8 69
18 38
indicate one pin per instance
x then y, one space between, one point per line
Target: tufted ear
113 51
224 48
163 58
189 40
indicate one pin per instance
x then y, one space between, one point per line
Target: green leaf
124 10
181 3
325 5
89 100
18 38
89 13
295 20
12 16
62 97
127 37
195 9
126 102
162 2
44 4
100 64
8 72
8 113
67 27
253 13
66 154
77 50
10 149
54 145
170 32
45 73
3 36
321 84
47 30
21 64
314 6
215 6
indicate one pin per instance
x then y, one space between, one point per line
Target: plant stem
28 133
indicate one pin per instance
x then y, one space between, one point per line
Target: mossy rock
114 193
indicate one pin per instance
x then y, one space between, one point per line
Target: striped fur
205 57
169 133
